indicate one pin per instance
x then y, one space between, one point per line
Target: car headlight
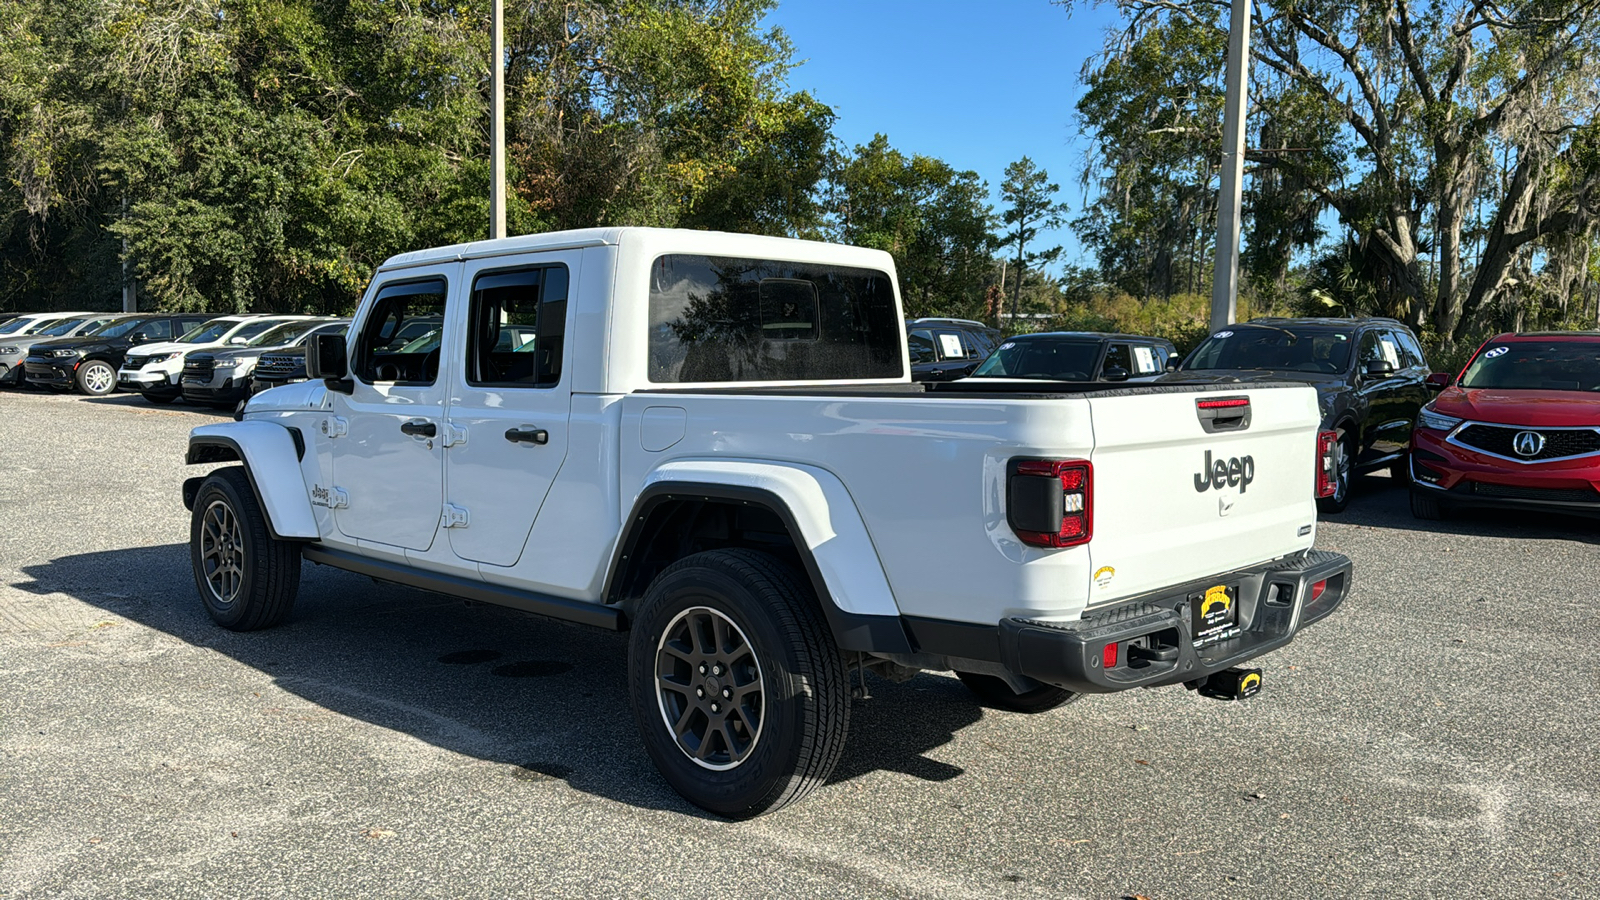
1435 421
8 351
160 357
63 353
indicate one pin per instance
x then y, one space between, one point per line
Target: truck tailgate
1174 502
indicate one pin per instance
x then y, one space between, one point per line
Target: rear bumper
1153 634
1458 477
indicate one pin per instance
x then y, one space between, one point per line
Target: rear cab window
722 319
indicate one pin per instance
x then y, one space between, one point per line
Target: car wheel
740 694
1344 456
247 578
994 691
159 399
1424 506
96 378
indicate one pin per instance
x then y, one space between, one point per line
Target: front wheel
247 578
96 378
740 694
994 691
1424 506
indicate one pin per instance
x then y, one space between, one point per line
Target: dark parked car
1079 356
946 349
1520 428
89 362
1369 374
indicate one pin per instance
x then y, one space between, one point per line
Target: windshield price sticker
1223 334
1498 351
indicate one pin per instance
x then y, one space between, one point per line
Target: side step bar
592 614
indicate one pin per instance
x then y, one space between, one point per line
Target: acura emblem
1528 443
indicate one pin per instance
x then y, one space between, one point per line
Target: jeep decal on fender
1235 471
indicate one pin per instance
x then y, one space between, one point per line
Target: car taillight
1050 503
1327 478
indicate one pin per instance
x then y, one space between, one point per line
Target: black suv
89 362
1079 356
1369 374
946 349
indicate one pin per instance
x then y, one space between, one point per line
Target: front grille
280 368
1558 443
199 369
1559 495
135 363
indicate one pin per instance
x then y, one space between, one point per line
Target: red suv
1519 428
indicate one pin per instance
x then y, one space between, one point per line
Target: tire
1344 469
782 678
993 691
1426 507
247 579
95 378
1400 469
159 399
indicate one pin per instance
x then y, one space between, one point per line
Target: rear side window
726 319
517 327
399 343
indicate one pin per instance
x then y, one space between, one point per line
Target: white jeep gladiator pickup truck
713 440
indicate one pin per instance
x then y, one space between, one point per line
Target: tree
1460 125
933 219
1029 202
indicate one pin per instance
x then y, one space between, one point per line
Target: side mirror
139 337
1438 381
1379 368
238 340
1173 362
1114 373
327 359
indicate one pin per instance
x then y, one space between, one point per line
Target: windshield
63 327
15 325
114 328
1056 360
423 344
284 333
207 332
1282 349
1565 365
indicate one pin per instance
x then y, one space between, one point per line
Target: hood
161 347
239 352
1532 409
75 343
27 341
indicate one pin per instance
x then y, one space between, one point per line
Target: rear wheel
247 578
740 694
96 378
994 691
1344 457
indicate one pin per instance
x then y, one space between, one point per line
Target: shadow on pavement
136 402
546 699
1378 501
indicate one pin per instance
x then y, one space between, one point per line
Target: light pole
497 127
1225 275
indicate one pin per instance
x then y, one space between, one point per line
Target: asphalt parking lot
1437 737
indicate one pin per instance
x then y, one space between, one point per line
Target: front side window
1117 357
399 343
1410 353
155 330
517 323
921 344
724 319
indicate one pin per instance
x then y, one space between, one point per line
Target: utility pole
1225 275
130 289
497 127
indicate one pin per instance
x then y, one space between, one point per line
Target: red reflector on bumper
1318 589
1108 656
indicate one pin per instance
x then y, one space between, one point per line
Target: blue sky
978 84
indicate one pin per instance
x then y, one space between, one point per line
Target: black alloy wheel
247 579
739 692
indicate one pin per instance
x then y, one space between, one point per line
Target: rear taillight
1050 503
1327 478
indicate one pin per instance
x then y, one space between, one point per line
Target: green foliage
1028 196
934 220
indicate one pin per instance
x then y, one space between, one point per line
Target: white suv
155 369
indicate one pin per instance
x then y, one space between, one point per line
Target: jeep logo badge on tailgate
1237 470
